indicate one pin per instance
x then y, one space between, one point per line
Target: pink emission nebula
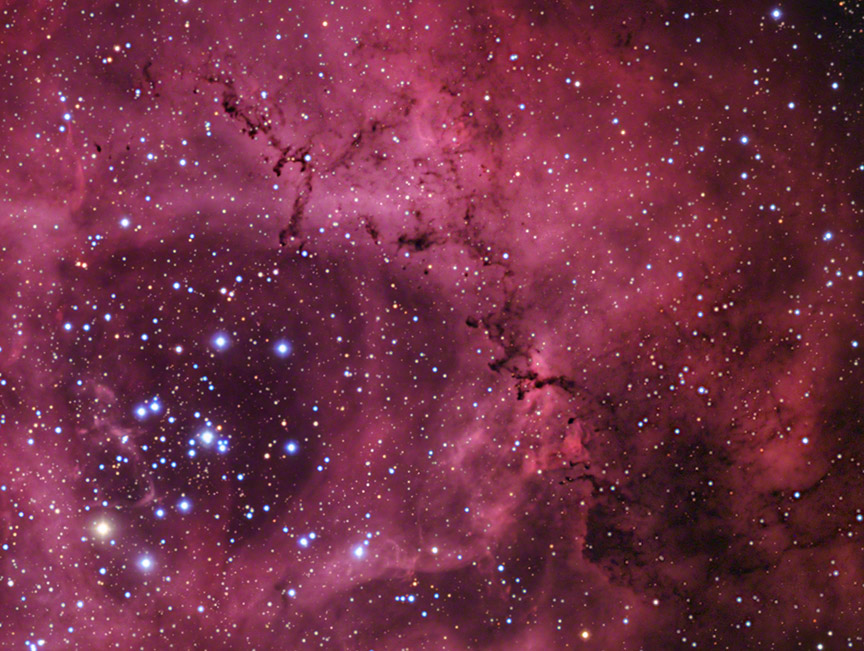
508 325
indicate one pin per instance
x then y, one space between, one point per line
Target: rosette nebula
431 325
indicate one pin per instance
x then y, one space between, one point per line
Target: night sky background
431 325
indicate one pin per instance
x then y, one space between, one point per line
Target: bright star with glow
359 551
220 341
207 437
102 528
184 506
146 563
282 348
291 447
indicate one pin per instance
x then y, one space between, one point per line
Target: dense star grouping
510 325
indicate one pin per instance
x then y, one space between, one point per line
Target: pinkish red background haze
507 325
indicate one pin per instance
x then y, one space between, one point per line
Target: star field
447 326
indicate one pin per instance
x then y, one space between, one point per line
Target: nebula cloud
510 325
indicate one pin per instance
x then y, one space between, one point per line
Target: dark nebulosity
510 325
